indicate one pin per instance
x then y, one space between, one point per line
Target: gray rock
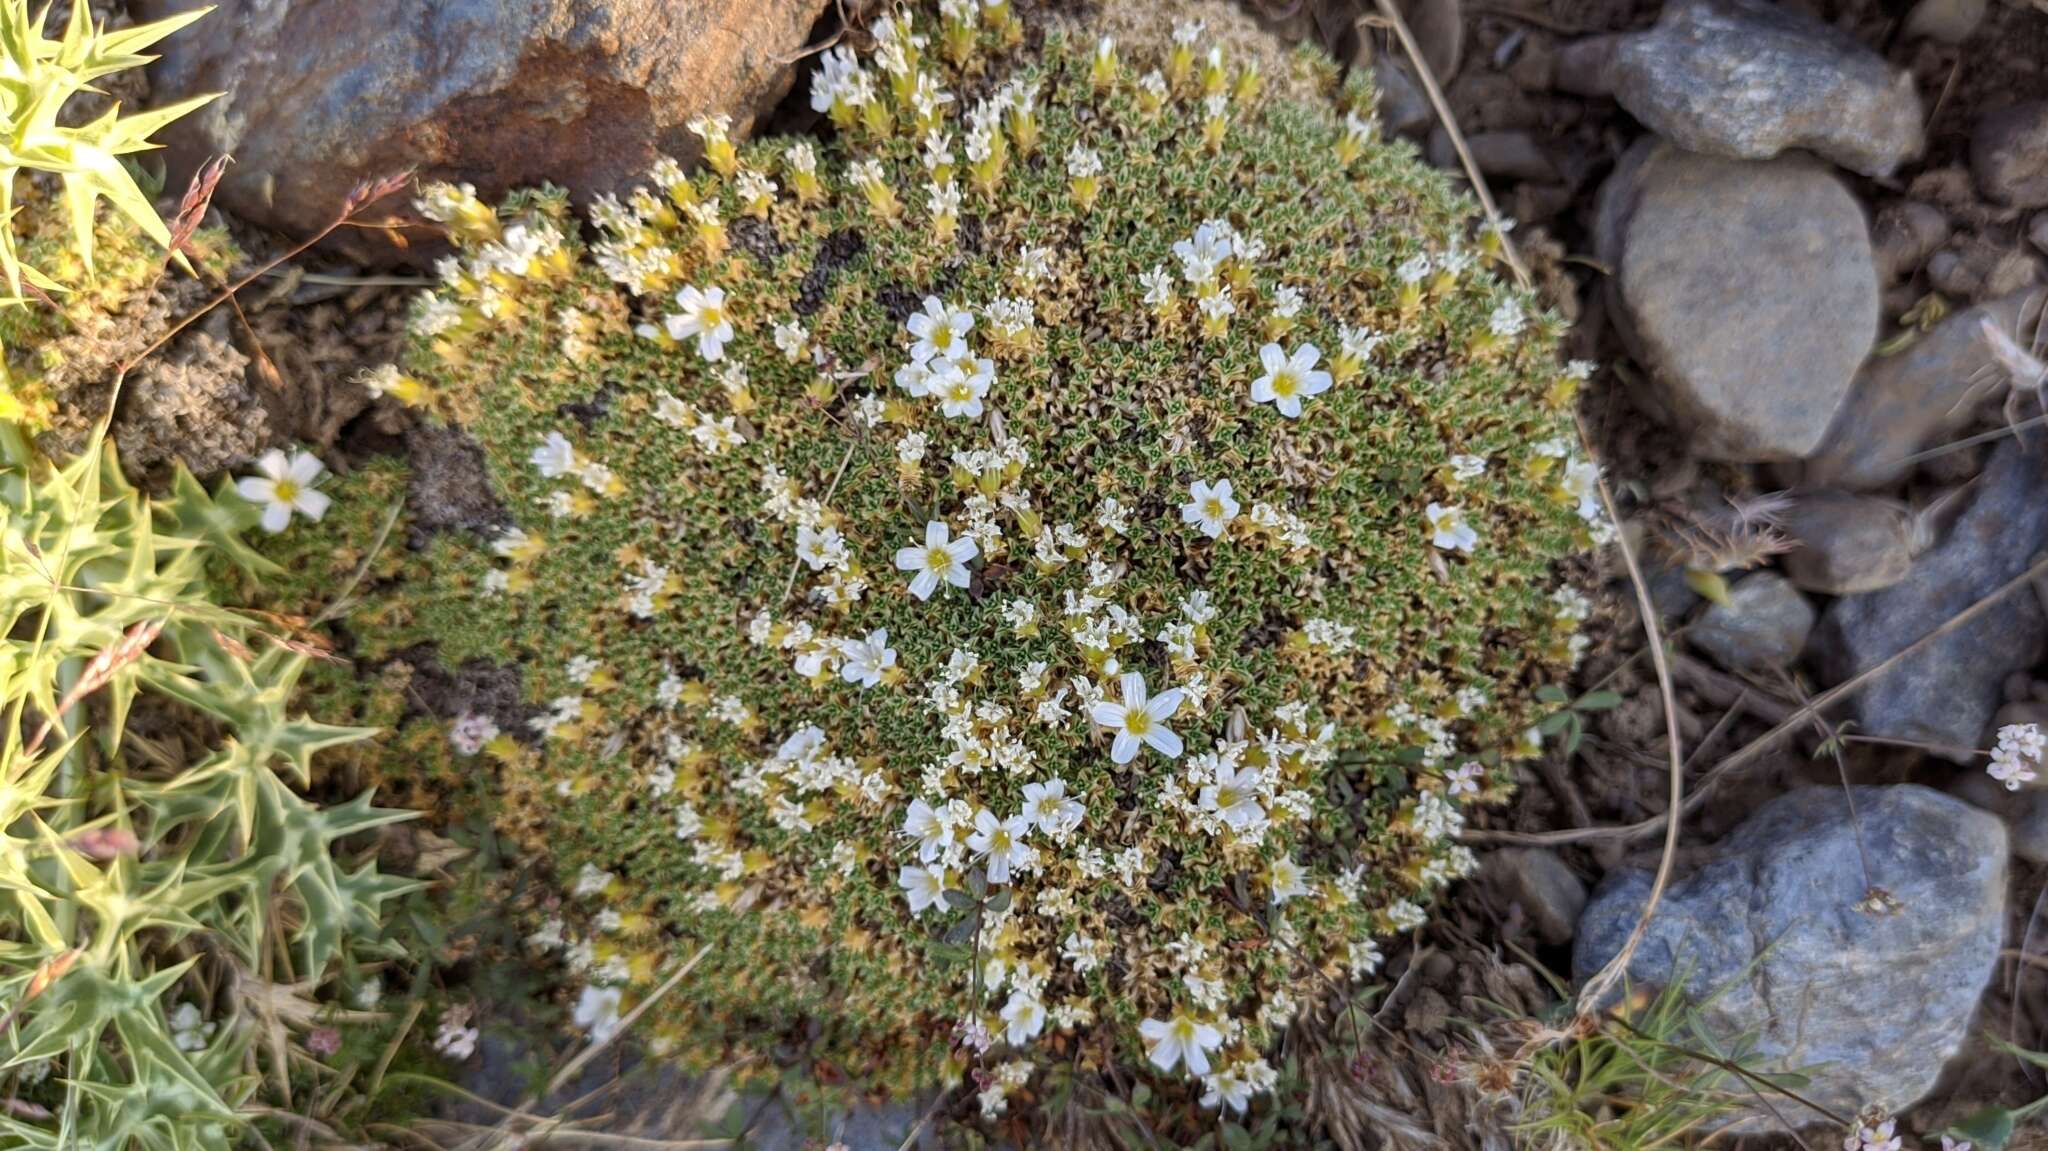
1403 108
2025 811
1585 67
1535 880
1762 627
1751 79
2037 231
1904 234
1976 267
1512 155
1849 543
2009 154
1907 401
1945 21
1948 691
323 94
1771 943
1747 287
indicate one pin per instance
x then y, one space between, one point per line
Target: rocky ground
1808 243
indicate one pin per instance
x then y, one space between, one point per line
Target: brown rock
323 94
1849 543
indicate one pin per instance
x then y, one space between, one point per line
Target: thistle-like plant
155 851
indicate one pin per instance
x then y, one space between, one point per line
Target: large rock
1751 79
1762 627
1747 287
1846 543
1870 1004
1947 692
2009 154
1930 391
322 94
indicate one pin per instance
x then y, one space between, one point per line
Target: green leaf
1708 584
1000 901
1598 701
959 900
1552 693
1987 1130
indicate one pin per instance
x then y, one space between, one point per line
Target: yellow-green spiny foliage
890 633
162 872
40 78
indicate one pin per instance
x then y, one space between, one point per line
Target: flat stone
1925 393
1847 543
1947 692
1762 627
1549 895
2009 154
321 95
1751 79
1769 938
1748 288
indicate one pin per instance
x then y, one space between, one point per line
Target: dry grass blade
1597 988
1391 16
98 673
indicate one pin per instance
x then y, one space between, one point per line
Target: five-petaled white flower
1138 721
1001 842
1289 880
941 331
923 887
1289 379
864 661
1448 529
942 559
703 316
555 456
1182 1039
959 391
1209 507
1023 1018
923 824
286 486
1234 796
1048 806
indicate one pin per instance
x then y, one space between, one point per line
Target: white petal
305 467
925 584
1125 749
910 559
312 504
276 515
1165 741
1134 689
256 489
1109 715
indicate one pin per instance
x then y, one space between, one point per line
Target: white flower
1465 780
471 731
941 331
1289 379
1001 842
1083 162
597 1012
1227 1087
286 486
1139 722
1507 319
189 1030
820 548
1050 809
1448 529
922 823
1234 797
454 1037
1209 507
865 660
592 880
1182 1039
1467 467
942 559
2019 752
1023 1018
1289 880
703 316
924 887
960 392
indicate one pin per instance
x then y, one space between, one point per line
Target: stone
320 95
1771 942
1976 267
1549 895
2037 231
1747 287
1945 21
1904 234
1511 156
2009 154
1751 79
1847 543
2025 812
1947 692
1403 108
1585 67
1762 627
1926 392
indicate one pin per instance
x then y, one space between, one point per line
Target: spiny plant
1029 579
40 79
154 848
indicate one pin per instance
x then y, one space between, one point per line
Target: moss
672 640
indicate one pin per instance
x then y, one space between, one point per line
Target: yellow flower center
711 315
1227 797
1214 508
999 840
1285 382
938 559
285 490
1137 721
